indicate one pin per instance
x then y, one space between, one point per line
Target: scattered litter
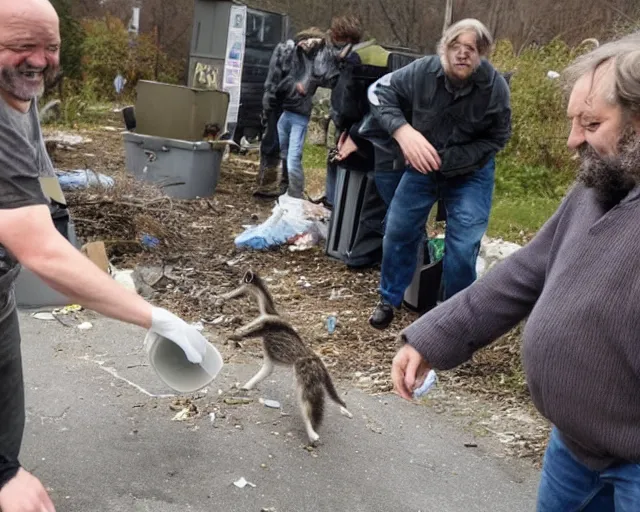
118 83
270 509
183 415
552 75
493 250
303 282
199 326
470 445
376 429
72 308
291 220
342 293
272 404
186 409
125 278
429 381
97 253
85 326
304 242
218 320
212 417
109 128
43 316
242 483
66 139
150 242
83 178
237 401
331 323
233 263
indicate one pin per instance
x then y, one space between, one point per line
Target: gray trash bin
33 292
185 170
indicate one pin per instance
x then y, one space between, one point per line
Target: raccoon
282 345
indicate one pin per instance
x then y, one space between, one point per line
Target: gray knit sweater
578 281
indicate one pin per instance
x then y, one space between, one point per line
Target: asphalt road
100 442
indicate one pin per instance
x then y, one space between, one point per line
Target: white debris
493 250
272 404
242 483
85 326
66 139
125 278
43 316
183 415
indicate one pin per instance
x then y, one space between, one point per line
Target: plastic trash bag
83 178
293 221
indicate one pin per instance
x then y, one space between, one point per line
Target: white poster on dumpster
232 77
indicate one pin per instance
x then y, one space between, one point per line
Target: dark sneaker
382 316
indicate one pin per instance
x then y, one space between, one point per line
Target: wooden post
156 33
448 13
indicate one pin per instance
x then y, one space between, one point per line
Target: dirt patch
198 261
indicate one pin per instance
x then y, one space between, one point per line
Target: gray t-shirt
23 159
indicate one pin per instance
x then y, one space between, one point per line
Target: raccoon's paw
314 440
345 412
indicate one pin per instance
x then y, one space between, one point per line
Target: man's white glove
180 332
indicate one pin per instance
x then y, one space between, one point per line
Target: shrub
536 159
73 39
108 49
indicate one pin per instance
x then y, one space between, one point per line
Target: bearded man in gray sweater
578 284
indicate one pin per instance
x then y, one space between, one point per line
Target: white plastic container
175 370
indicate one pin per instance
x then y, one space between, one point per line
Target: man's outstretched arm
29 234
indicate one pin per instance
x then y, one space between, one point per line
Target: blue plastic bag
290 217
83 178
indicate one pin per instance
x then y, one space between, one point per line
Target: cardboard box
97 253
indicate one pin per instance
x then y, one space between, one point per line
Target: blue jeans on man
567 485
292 130
411 195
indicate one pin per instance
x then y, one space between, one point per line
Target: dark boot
268 179
382 316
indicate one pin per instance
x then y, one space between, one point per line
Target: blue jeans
292 129
467 200
567 485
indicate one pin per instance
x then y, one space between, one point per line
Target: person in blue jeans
467 200
307 62
576 284
567 484
460 113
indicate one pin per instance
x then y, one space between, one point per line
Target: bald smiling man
29 57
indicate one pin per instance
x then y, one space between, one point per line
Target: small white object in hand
426 385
